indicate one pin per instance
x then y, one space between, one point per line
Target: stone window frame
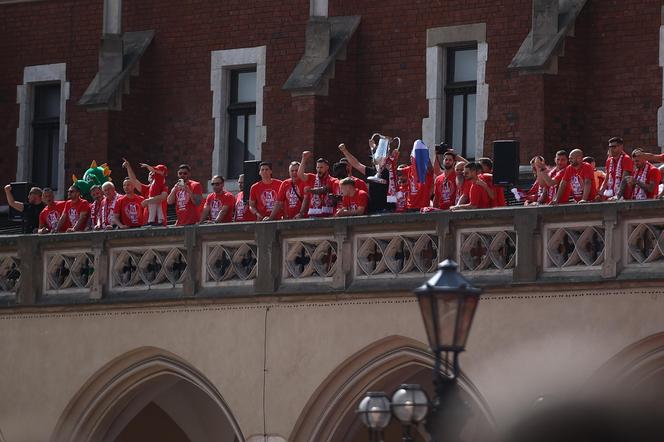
223 63
438 40
32 76
8 2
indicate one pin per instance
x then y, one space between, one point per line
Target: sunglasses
217 184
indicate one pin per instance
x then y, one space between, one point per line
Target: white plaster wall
521 346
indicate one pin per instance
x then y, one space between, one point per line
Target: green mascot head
95 175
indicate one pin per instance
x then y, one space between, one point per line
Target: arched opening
147 394
330 412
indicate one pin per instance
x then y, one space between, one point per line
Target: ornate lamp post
447 302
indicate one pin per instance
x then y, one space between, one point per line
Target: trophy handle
398 142
372 141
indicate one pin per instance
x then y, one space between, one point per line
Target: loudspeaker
20 191
505 162
251 176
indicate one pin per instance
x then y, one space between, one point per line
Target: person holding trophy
382 176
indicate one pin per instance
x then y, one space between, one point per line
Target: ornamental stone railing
387 253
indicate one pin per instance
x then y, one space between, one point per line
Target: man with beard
619 165
445 186
578 181
645 181
50 215
496 193
478 198
128 212
318 187
359 184
263 194
549 179
291 196
219 204
74 216
95 207
242 212
187 196
462 184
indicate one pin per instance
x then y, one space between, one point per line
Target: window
45 135
242 120
460 99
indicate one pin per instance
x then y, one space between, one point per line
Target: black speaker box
251 176
20 191
505 162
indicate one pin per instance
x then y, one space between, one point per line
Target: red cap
161 168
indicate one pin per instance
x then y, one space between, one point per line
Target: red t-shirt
321 205
359 184
108 209
463 190
614 176
187 212
419 195
73 212
242 212
145 190
50 215
575 178
291 197
499 193
478 197
265 196
216 202
130 210
95 212
157 186
360 199
445 190
648 174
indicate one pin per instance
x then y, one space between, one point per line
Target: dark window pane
457 122
47 101
45 155
471 150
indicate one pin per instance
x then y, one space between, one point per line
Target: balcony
501 249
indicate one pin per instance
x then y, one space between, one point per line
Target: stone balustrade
499 247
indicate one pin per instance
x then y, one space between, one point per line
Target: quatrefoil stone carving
230 261
10 274
575 246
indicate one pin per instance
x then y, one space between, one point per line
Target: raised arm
352 160
302 169
131 174
10 199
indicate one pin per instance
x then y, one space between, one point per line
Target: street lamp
447 302
374 411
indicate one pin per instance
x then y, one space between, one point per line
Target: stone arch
122 388
331 407
635 364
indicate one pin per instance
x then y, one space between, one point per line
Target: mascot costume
94 175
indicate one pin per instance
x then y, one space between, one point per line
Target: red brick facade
608 81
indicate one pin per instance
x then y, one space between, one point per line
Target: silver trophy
380 151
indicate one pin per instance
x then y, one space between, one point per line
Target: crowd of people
450 183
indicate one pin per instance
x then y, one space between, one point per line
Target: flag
419 159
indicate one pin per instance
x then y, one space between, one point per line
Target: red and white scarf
321 204
614 176
392 180
639 192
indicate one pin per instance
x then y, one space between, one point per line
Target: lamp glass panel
426 308
448 305
468 305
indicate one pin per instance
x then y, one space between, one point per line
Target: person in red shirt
187 196
354 201
242 212
445 189
419 195
95 206
619 165
478 198
291 197
75 212
646 179
263 194
462 184
548 179
598 174
359 184
318 187
111 198
156 217
144 190
219 205
578 181
496 193
128 212
50 215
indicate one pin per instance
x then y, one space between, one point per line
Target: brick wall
609 81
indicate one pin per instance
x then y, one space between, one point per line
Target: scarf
392 180
614 177
320 204
640 193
